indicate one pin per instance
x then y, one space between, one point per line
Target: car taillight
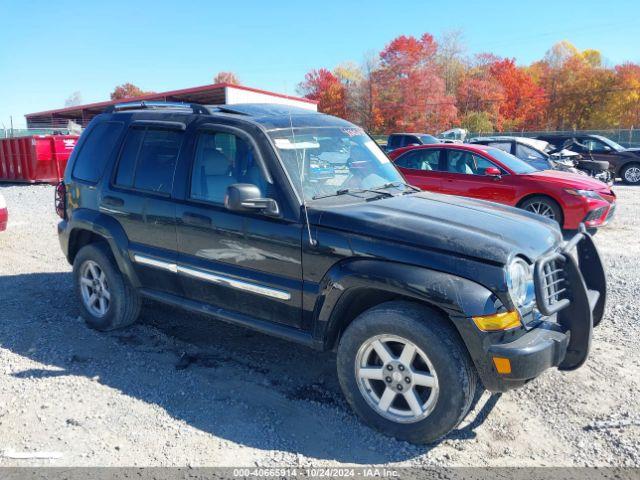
61 200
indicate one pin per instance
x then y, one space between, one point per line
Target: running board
262 326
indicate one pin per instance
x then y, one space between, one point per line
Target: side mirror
245 197
492 172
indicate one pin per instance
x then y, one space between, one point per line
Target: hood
630 152
569 180
464 227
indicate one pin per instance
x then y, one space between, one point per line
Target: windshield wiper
354 191
399 184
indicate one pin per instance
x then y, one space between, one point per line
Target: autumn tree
410 89
227 77
127 90
324 87
578 87
523 103
623 109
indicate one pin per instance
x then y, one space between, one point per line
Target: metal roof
204 94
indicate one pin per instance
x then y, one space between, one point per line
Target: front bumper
571 296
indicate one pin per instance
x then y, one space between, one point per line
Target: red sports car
489 173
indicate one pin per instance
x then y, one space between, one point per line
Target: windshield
428 139
512 163
616 146
324 161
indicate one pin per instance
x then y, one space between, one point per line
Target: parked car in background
399 140
453 135
623 162
4 214
544 156
489 173
529 150
428 299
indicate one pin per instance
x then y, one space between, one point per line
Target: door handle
113 201
196 219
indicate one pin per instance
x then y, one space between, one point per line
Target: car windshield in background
325 161
512 163
428 139
616 146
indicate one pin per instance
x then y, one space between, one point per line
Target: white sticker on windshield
286 144
375 149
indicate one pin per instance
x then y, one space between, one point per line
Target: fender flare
111 230
458 297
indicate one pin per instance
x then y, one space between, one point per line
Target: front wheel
404 370
631 174
545 207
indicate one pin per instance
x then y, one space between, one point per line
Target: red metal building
215 94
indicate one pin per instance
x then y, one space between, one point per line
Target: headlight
583 193
520 282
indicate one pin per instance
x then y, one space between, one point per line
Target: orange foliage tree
127 90
410 88
325 88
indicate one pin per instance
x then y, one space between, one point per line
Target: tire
630 174
455 377
123 305
546 204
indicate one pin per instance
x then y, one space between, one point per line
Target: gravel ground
182 390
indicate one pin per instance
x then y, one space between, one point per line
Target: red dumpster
39 158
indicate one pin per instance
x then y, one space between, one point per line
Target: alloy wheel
95 289
396 378
541 208
632 174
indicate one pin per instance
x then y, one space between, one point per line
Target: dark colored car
489 173
427 298
399 140
624 163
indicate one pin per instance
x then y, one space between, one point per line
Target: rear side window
96 150
423 159
148 159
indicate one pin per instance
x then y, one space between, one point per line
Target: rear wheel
404 371
631 174
545 207
107 300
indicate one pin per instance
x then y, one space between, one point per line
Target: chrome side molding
214 278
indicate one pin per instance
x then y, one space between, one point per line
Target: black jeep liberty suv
296 224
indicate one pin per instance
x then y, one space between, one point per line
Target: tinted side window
148 159
223 159
409 160
394 141
96 150
527 153
504 146
425 160
128 156
459 161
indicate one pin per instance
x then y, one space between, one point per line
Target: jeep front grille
551 284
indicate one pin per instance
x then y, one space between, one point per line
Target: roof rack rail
143 104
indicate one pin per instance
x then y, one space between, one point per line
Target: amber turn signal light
498 321
503 365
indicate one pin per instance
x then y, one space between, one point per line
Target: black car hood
473 228
631 152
